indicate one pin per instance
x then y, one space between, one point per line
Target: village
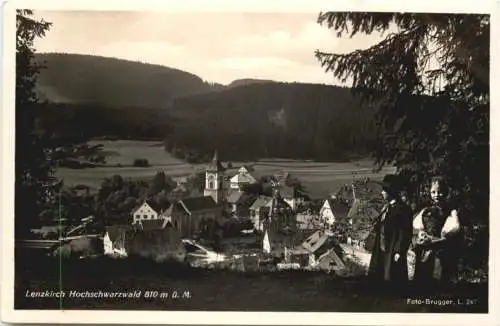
276 231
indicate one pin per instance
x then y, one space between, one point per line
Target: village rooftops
315 241
197 204
234 197
243 178
246 169
260 202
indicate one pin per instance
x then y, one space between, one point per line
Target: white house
114 240
147 211
333 210
242 178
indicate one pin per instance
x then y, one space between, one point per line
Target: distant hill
249 81
287 120
73 78
248 119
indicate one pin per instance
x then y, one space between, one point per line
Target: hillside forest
246 120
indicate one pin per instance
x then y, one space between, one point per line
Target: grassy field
319 178
218 290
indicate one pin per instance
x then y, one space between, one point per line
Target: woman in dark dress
437 237
393 231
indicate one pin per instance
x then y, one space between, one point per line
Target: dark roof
260 202
117 231
339 208
315 241
198 203
155 224
234 196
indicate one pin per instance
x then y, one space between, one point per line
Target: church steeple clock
213 180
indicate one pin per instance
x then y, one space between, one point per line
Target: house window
144 216
210 184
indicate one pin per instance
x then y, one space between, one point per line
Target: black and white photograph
314 161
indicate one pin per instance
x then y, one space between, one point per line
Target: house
277 213
156 224
241 179
289 195
257 214
148 210
191 216
245 169
239 203
323 252
333 210
114 240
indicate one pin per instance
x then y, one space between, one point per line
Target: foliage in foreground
431 119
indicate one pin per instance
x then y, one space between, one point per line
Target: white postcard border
247 318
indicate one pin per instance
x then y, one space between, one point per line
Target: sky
217 46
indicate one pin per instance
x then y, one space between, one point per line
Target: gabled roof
154 224
260 202
234 196
315 241
246 168
156 207
193 204
243 178
117 231
339 208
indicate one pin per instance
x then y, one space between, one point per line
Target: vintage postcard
229 162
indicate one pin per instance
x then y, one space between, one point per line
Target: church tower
214 180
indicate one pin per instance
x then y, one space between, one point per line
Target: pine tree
431 118
37 151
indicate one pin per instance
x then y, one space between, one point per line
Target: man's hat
392 184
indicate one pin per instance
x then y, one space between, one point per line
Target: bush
141 162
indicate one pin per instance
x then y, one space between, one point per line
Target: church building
214 177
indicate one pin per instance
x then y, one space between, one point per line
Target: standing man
393 232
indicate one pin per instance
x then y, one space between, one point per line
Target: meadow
319 178
225 290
